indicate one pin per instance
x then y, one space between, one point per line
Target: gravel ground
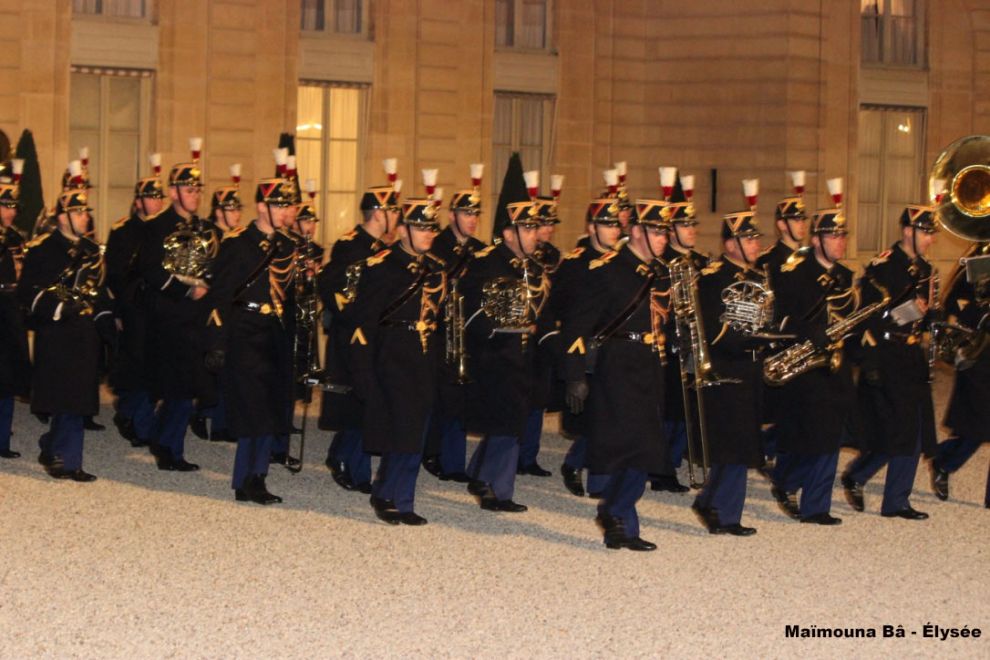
145 563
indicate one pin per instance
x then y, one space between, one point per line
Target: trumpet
456 349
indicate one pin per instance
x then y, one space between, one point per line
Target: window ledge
318 35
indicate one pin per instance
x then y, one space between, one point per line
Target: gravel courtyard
145 563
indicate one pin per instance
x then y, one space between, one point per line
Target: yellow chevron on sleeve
577 347
868 339
358 338
341 300
215 318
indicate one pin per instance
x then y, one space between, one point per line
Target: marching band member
895 396
135 411
456 245
225 213
967 414
396 310
571 285
251 274
625 309
813 290
62 286
732 410
505 292
341 410
15 365
177 315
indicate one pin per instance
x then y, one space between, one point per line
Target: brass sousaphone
959 186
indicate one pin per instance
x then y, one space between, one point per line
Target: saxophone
797 359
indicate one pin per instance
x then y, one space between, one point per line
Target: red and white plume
532 178
668 178
751 190
311 189
835 190
797 181
391 166
687 185
281 160
621 170
438 196
556 185
939 188
76 171
196 147
290 166
235 173
156 163
84 157
397 187
477 169
430 181
611 180
17 164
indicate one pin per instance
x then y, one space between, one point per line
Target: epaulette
348 236
575 253
36 241
236 231
484 253
602 260
120 223
793 261
712 267
378 258
881 258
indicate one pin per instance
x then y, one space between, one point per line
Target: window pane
502 130
869 218
348 16
84 110
903 40
343 166
131 8
123 163
125 103
533 24
86 6
344 113
504 22
341 215
530 122
309 112
312 15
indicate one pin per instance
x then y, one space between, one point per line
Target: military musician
15 366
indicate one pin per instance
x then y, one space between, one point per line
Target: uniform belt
8 288
258 308
647 338
908 339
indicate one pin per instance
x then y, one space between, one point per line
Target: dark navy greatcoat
396 353
733 411
67 342
340 410
818 406
894 394
15 364
176 339
257 364
625 404
502 364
